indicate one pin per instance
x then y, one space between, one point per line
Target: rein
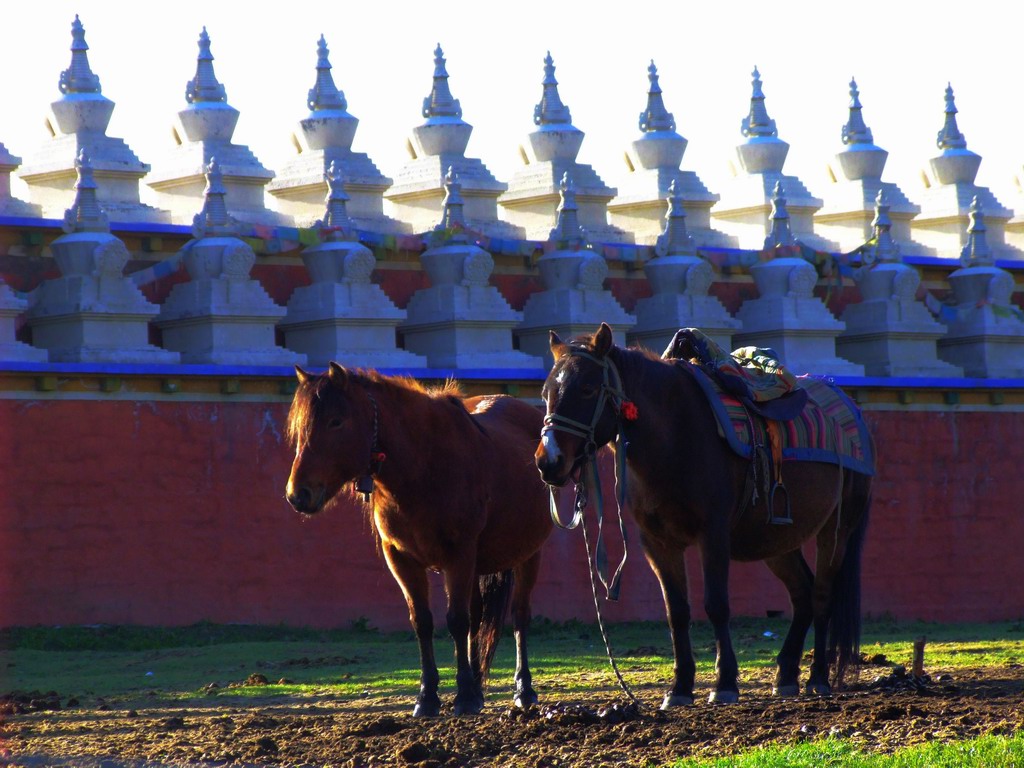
611 390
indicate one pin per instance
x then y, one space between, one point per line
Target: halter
611 390
364 484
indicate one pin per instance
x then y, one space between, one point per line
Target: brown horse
454 490
686 486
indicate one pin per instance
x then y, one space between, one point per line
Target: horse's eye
334 423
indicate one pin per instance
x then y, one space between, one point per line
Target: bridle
611 391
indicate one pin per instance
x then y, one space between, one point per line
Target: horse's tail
496 595
845 622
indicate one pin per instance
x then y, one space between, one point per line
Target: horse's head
583 392
331 424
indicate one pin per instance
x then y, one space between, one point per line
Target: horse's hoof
427 708
818 689
786 691
525 699
676 700
471 707
723 697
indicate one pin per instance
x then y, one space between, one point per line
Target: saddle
755 378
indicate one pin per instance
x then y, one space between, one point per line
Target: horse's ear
338 375
556 344
302 375
603 340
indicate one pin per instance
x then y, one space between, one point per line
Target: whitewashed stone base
660 316
10 349
464 326
569 312
223 321
349 323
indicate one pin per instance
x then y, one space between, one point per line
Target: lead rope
600 623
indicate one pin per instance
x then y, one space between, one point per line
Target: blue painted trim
273 371
924 382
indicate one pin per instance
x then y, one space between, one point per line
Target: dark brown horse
687 487
454 490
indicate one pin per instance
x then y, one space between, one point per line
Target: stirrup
774 519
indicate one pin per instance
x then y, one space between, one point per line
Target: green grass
128 661
988 751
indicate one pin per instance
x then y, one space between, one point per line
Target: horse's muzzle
553 470
305 500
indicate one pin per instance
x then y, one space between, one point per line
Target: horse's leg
792 570
475 612
413 580
459 583
715 562
831 552
525 579
670 568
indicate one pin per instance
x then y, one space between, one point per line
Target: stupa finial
213 219
324 94
855 131
79 77
655 117
674 239
453 222
757 122
204 87
780 233
85 214
337 212
567 229
976 253
885 248
950 137
551 110
440 102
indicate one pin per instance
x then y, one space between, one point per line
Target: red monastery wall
165 512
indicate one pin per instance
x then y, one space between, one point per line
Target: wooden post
918 666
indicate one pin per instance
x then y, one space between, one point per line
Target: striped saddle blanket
758 404
830 428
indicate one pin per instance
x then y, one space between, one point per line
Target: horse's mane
636 363
311 394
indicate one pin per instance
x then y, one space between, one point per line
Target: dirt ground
886 710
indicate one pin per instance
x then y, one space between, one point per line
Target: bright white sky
901 53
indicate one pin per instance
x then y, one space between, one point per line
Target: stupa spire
79 77
453 219
855 131
780 233
950 137
440 102
567 224
337 212
325 94
885 248
675 240
655 117
976 253
757 122
85 214
213 220
551 110
204 87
